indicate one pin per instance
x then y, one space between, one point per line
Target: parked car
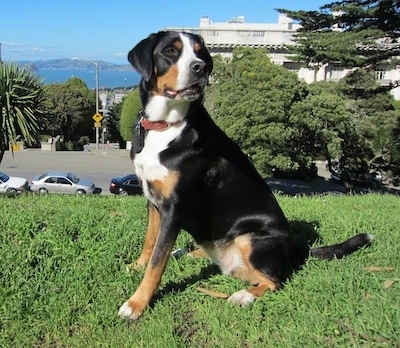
12 184
353 177
126 185
61 182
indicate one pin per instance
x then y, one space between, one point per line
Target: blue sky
107 30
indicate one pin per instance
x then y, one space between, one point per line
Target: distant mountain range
74 64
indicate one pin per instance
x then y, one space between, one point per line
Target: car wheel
11 192
42 191
80 192
123 193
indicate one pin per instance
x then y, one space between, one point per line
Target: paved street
103 164
98 165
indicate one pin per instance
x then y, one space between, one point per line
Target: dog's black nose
197 67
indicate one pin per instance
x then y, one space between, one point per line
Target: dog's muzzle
189 93
195 89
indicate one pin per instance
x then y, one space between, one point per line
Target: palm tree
21 94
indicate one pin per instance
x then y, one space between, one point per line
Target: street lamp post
97 102
97 95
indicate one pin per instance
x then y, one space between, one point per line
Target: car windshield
4 177
73 178
42 176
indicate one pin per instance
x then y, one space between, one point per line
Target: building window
380 74
208 32
243 33
258 33
334 73
287 35
291 66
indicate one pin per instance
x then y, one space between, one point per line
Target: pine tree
350 34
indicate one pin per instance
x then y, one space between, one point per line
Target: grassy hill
63 277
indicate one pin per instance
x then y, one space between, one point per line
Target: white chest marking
147 163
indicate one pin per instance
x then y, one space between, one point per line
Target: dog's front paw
242 298
129 312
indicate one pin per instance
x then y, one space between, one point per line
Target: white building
222 38
108 99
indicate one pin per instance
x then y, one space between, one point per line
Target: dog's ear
141 56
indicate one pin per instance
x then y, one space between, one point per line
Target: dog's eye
170 52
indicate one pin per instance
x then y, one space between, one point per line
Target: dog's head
173 65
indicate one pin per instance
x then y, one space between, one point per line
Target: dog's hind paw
242 298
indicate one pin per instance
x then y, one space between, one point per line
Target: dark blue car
126 185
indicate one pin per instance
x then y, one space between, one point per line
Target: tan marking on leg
248 273
133 308
165 187
153 227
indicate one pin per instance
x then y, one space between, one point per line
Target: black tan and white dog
197 179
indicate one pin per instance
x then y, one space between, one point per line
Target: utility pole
97 117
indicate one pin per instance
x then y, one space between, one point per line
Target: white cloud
16 51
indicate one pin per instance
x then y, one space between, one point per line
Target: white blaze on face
187 57
160 107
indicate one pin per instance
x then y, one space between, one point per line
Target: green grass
63 277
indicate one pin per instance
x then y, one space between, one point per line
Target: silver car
12 184
61 182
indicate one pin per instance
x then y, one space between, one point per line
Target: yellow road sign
97 124
97 117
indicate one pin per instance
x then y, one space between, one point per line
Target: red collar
154 125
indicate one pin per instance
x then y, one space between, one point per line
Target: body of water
108 79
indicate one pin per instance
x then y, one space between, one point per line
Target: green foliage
363 35
323 115
339 48
129 112
358 15
69 108
113 123
361 23
63 278
352 120
372 118
396 133
250 99
69 146
83 140
20 96
283 124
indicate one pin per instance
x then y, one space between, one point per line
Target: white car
61 182
12 184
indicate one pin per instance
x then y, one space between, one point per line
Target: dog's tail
342 249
